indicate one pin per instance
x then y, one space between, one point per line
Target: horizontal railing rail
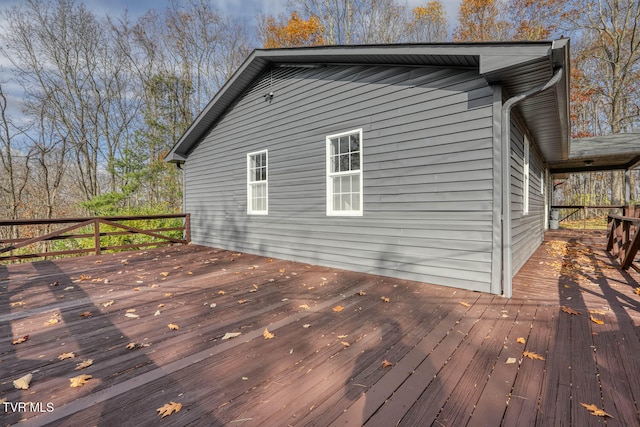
623 240
570 211
99 228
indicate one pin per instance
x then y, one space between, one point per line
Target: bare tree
65 60
14 161
428 23
610 51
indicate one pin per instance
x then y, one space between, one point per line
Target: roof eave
488 57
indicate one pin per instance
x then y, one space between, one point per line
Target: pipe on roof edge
505 138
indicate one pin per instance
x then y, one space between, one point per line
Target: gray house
425 162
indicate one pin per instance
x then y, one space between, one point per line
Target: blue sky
241 8
247 9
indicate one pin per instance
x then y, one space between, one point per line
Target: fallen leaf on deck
570 311
306 325
342 336
17 304
68 288
164 273
84 364
169 408
267 335
131 310
133 345
304 306
20 340
84 277
157 313
338 308
601 312
362 293
521 340
108 303
637 290
466 304
385 299
64 356
242 301
168 294
220 292
386 363
173 326
23 382
80 380
282 270
346 344
50 322
595 410
229 335
132 315
532 355
596 320
86 314
511 360
136 289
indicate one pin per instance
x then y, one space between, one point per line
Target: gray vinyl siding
427 165
527 230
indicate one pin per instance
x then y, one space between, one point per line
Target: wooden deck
429 355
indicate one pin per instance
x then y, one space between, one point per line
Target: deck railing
93 228
623 240
583 212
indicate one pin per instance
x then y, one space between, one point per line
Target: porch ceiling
598 153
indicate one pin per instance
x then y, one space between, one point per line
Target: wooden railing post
623 241
96 235
187 228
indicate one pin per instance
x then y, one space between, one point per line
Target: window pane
336 185
334 147
346 184
344 163
355 199
355 184
354 142
336 202
344 144
355 161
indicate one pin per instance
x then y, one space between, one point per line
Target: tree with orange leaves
481 20
291 32
428 23
535 19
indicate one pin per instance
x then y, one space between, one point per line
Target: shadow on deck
348 348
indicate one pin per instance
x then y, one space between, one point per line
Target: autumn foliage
292 32
479 20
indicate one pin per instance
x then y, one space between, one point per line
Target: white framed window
525 177
344 173
257 183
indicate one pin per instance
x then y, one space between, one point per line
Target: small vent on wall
270 80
